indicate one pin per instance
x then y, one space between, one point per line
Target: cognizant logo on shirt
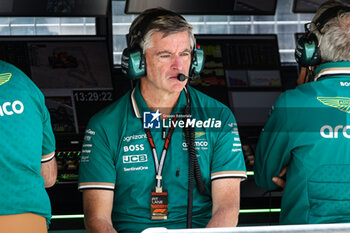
8 108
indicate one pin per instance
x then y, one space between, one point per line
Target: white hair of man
334 36
165 22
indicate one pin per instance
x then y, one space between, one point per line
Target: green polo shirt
26 141
117 156
309 132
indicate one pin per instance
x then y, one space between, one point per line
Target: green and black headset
307 52
133 60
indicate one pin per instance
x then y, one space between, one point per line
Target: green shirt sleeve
48 136
97 167
228 159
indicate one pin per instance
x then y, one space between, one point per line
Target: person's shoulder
296 97
12 70
17 79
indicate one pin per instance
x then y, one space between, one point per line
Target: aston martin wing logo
197 134
341 103
5 77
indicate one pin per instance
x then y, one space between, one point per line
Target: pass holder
159 197
159 204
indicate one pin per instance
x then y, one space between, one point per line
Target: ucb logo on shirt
151 120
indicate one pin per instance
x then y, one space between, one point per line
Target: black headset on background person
133 60
307 52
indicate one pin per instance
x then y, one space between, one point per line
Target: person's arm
279 180
226 197
49 171
98 206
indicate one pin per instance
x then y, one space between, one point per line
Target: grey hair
334 37
167 23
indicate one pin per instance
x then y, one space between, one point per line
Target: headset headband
139 30
329 14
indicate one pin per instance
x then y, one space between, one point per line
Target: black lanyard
159 165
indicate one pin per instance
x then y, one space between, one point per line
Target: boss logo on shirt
135 158
8 108
137 147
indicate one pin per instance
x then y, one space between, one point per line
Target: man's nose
177 62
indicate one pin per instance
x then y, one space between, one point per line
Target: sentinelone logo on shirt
152 120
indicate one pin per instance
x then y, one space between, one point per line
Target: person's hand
280 181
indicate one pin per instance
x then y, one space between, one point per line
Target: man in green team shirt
307 137
135 160
27 149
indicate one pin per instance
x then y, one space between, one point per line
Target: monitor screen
62 113
252 108
71 110
60 63
222 7
74 74
309 6
88 102
57 8
240 60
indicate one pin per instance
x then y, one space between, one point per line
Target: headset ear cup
307 52
133 63
197 61
316 52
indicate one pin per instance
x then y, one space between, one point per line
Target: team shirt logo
341 103
196 134
137 147
151 120
345 84
135 158
5 77
328 131
8 108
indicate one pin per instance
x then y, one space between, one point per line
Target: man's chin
178 87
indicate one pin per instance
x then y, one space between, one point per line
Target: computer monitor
57 8
252 108
88 102
64 67
60 62
70 64
309 6
62 113
205 7
240 60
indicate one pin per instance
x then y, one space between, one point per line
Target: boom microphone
182 77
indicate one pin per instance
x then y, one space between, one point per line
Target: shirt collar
139 105
332 69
